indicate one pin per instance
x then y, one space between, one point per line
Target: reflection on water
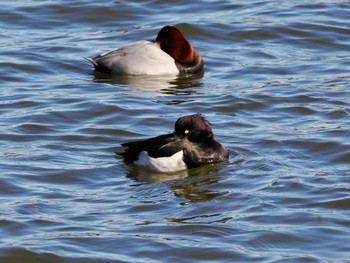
144 174
196 189
166 84
192 185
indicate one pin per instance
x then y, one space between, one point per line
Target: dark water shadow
193 185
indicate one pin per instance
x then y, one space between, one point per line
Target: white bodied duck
171 53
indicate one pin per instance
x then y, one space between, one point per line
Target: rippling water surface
276 89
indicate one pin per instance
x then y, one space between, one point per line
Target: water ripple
275 89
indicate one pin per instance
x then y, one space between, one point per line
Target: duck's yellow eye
187 131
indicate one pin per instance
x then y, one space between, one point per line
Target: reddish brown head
172 42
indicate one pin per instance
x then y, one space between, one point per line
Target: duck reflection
165 84
193 185
144 174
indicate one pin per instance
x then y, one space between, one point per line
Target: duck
170 53
190 145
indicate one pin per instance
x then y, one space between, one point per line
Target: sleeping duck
171 53
190 145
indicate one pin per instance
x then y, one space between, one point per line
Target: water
275 89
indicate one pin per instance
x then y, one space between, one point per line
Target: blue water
275 89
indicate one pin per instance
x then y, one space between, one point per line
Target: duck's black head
195 127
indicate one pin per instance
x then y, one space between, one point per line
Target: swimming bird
171 53
190 145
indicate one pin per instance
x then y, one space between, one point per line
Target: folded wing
160 146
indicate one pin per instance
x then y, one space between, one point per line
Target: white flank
169 164
140 58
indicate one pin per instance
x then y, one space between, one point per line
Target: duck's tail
98 66
92 61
